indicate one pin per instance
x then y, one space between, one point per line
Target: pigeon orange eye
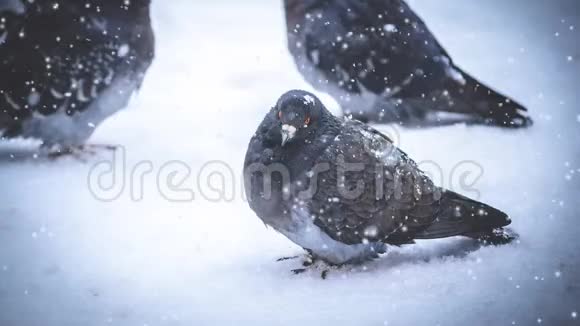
307 121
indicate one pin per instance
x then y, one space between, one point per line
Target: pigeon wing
64 67
377 45
372 191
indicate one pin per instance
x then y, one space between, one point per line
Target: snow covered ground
67 258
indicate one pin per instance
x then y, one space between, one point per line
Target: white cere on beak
288 132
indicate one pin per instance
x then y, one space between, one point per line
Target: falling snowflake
390 28
123 50
371 231
309 99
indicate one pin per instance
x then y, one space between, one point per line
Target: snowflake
309 99
123 51
390 28
371 231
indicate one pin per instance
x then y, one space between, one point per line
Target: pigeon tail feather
495 108
460 215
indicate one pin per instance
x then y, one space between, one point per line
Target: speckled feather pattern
380 61
63 59
344 190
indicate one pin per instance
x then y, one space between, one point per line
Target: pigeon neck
301 155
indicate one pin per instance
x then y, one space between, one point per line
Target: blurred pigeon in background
379 60
68 65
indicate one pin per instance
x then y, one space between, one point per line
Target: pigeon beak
285 138
288 133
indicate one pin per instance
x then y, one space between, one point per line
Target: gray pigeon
67 66
343 191
381 62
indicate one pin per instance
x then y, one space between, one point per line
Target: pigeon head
298 114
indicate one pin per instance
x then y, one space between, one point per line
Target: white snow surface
67 258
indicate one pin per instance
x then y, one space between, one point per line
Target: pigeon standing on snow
379 60
68 65
343 191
